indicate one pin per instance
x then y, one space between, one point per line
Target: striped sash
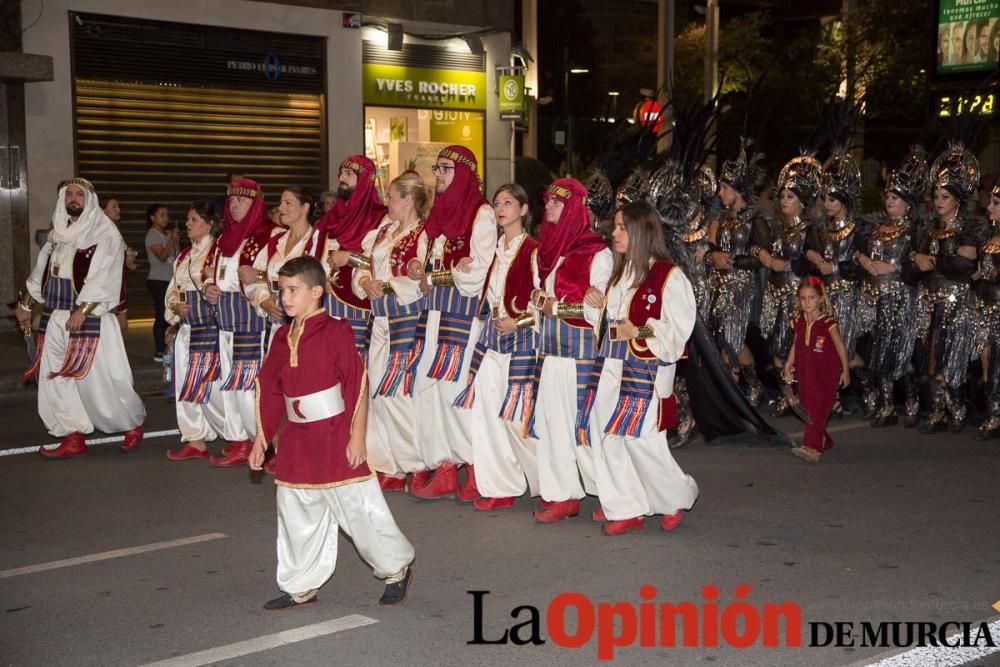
80 350
519 401
59 295
636 390
564 340
360 321
203 351
403 321
457 314
236 315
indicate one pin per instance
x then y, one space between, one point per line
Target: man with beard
84 378
463 229
357 211
246 231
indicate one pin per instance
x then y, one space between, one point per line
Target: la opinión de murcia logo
572 620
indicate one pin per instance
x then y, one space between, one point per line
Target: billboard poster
968 38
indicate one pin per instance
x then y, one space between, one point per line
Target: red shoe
236 455
622 526
418 480
187 452
671 521
598 515
271 465
487 504
132 439
72 445
558 510
388 483
469 492
445 483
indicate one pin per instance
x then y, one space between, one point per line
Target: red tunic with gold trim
307 394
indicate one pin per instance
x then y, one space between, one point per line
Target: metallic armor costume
988 339
835 241
885 311
788 237
944 308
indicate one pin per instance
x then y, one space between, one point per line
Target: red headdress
348 221
455 208
571 235
254 223
815 283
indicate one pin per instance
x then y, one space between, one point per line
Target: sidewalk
146 373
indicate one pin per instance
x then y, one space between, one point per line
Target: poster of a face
968 36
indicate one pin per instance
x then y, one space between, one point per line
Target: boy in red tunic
312 388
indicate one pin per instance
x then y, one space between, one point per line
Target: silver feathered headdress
600 196
744 173
909 179
956 170
841 178
801 175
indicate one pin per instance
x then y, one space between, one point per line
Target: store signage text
394 85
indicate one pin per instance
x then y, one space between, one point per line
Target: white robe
562 464
195 421
392 433
259 292
238 407
104 399
638 476
506 463
444 432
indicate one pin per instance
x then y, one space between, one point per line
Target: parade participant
500 389
945 256
734 267
83 373
650 313
313 388
388 253
463 233
798 187
818 361
246 231
112 209
831 245
260 281
888 299
196 347
357 211
988 291
574 265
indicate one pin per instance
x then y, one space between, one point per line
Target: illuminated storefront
419 100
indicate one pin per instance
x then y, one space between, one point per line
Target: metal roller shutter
174 144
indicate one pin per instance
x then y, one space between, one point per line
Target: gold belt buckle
496 313
613 332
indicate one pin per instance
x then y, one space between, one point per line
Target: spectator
161 250
327 200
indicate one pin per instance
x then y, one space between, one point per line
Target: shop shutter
174 144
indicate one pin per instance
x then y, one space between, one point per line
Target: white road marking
109 440
265 642
106 555
940 656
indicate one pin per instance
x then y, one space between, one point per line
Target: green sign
424 88
968 36
511 97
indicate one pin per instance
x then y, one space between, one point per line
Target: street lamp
569 128
613 94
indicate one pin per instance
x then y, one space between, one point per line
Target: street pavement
891 526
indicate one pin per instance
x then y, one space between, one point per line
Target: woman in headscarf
574 265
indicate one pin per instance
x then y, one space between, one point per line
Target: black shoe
684 438
286 601
910 421
395 592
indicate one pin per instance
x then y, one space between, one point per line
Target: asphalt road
891 526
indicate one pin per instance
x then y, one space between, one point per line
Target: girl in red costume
819 359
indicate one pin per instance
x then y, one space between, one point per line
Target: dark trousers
158 290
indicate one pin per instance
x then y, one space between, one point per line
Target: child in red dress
819 359
312 390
